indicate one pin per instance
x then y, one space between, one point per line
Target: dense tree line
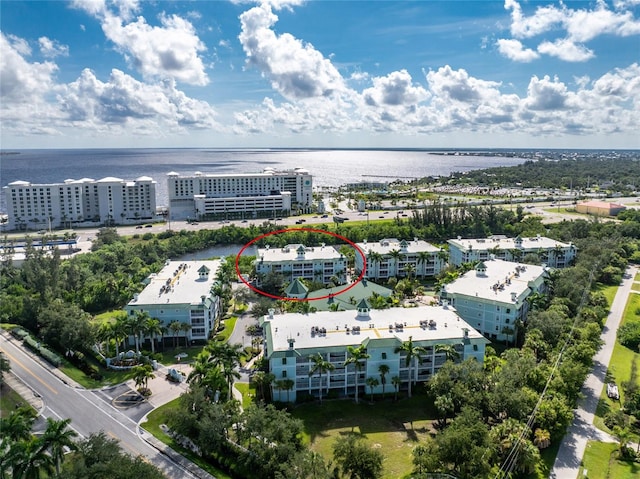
621 169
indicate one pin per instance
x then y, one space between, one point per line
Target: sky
333 74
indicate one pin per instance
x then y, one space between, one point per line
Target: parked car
612 391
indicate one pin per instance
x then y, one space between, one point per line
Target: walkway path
573 445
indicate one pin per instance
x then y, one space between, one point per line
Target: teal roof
296 288
203 269
347 300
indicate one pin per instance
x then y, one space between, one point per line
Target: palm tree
424 257
383 369
449 350
396 255
141 376
227 357
56 437
207 375
374 258
286 384
372 383
263 382
153 327
29 459
320 365
175 327
185 328
137 325
395 380
412 353
409 269
119 330
355 356
542 438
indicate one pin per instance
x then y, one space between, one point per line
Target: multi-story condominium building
181 291
107 201
390 257
492 298
227 196
320 263
292 339
554 254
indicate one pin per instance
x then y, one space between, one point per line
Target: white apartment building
319 263
554 254
389 257
181 291
492 298
78 202
246 195
291 340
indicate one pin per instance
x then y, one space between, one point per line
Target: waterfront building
107 201
550 252
181 292
292 339
389 257
492 298
320 263
232 196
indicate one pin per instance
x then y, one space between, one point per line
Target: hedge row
47 354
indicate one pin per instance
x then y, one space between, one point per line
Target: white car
612 391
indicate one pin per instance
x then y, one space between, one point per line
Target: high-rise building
240 195
107 201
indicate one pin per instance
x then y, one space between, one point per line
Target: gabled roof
296 288
203 269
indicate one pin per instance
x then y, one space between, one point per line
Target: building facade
181 292
550 252
390 257
232 196
108 201
292 339
320 263
600 208
492 298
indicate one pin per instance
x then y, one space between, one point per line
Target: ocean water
328 167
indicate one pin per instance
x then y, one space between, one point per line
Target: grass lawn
619 369
393 427
600 463
248 392
169 353
608 291
635 287
159 416
229 324
9 399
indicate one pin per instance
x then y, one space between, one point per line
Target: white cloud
566 50
544 94
395 89
514 50
21 81
170 51
577 25
51 48
457 85
296 70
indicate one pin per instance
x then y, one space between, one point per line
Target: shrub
629 335
616 418
19 333
50 356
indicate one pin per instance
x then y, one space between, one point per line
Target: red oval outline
312 230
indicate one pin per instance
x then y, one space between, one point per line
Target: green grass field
600 463
9 399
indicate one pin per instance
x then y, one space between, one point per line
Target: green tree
141 376
449 350
356 356
383 370
357 459
320 365
227 357
5 367
58 436
285 385
175 327
372 383
396 381
411 353
152 328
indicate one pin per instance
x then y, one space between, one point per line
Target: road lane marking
133 451
31 372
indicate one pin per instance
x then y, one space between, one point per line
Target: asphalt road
90 411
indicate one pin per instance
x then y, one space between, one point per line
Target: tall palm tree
175 328
186 329
355 356
383 369
320 365
227 357
412 352
374 258
141 376
29 459
397 256
119 331
424 257
285 384
153 327
395 380
136 325
372 383
206 374
56 437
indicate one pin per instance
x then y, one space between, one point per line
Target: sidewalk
574 443
28 394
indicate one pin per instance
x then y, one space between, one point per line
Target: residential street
573 446
93 411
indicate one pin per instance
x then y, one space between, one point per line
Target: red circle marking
312 230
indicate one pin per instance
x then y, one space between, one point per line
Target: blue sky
293 73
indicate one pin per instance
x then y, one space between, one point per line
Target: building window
284 374
284 360
475 347
384 355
